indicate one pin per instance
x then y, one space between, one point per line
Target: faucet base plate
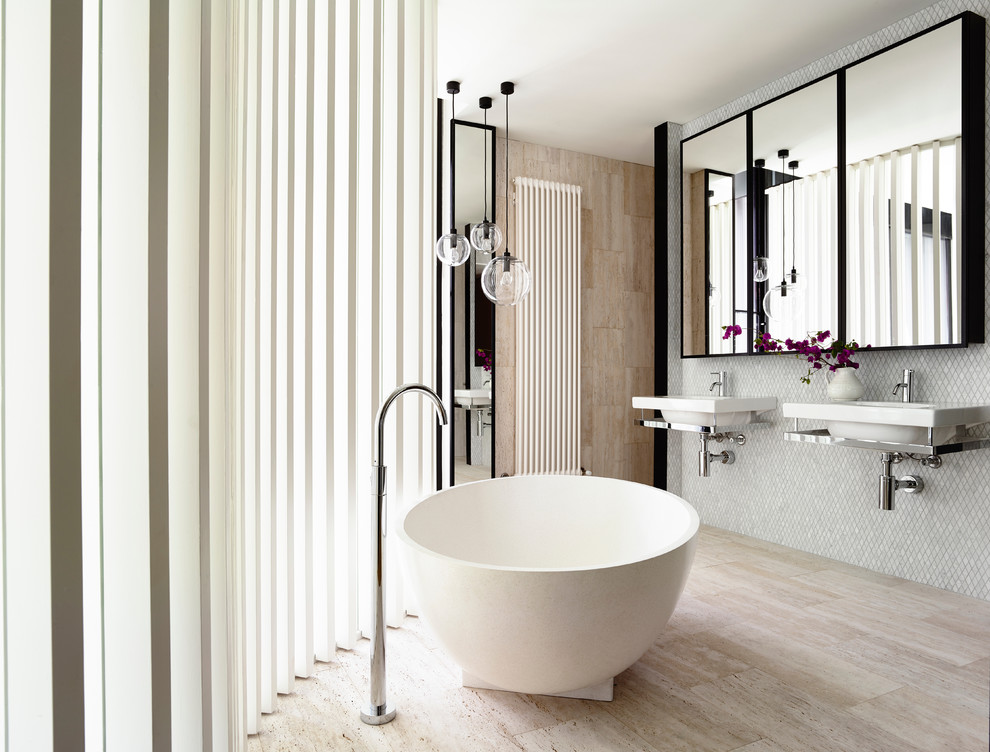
378 715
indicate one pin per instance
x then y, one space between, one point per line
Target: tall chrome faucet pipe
378 711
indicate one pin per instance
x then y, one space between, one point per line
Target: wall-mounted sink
472 397
895 422
706 410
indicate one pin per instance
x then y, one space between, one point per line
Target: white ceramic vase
844 386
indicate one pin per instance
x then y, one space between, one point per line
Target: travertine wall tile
617 262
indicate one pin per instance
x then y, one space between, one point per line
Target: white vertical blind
909 263
243 296
113 137
332 175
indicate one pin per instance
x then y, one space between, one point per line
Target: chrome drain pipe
889 485
705 458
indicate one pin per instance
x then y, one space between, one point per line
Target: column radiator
548 329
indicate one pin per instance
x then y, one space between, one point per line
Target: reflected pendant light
486 236
453 249
761 268
795 280
506 279
775 301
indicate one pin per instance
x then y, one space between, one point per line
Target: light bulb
453 249
505 280
486 236
760 271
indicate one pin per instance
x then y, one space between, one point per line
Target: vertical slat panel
305 649
936 259
916 240
65 396
269 341
125 335
184 171
223 702
898 293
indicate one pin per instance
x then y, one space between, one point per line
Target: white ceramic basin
473 397
896 422
706 410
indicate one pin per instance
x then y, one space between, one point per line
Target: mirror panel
472 445
796 211
904 146
893 142
714 253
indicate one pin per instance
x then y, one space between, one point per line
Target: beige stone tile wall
617 299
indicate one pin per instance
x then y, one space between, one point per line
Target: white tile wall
823 499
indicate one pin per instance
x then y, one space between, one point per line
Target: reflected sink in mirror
894 422
707 410
472 397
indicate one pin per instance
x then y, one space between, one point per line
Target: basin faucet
719 382
378 711
906 386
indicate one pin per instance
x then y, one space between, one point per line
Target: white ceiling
596 76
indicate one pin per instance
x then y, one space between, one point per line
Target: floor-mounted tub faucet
719 382
906 386
378 711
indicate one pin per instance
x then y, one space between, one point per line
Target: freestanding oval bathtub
548 584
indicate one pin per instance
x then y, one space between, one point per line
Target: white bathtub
548 584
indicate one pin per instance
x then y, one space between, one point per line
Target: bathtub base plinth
601 692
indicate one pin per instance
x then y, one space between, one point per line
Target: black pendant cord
783 154
453 88
793 165
486 165
507 88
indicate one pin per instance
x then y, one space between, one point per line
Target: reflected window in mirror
904 126
472 353
796 180
714 253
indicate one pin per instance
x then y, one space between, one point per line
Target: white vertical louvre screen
801 215
332 276
903 210
721 255
548 328
112 448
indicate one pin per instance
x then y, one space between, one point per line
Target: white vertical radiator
548 329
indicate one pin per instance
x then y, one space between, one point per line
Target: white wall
823 499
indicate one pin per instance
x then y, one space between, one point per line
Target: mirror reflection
796 176
473 445
904 126
714 253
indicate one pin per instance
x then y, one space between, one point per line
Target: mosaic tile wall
823 499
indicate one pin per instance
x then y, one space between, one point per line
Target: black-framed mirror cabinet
854 203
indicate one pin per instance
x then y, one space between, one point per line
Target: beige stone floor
770 649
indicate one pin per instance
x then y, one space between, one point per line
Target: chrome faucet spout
719 382
906 386
378 711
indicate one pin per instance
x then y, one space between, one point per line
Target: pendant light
775 302
453 249
486 236
761 268
506 279
795 280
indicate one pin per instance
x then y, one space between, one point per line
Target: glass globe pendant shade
505 280
453 249
780 303
486 236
